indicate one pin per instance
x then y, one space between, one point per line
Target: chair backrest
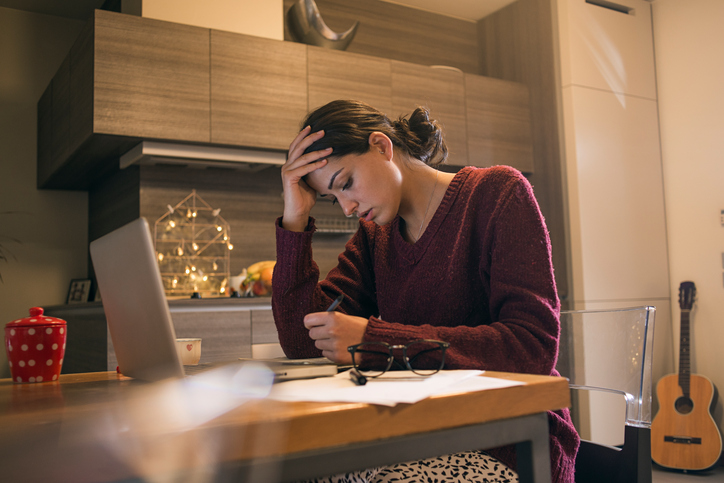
609 352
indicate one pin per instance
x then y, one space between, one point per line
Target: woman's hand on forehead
299 197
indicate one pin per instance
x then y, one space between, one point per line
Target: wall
689 42
251 17
51 226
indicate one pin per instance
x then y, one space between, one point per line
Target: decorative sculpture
305 25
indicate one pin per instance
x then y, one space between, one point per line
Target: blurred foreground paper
158 432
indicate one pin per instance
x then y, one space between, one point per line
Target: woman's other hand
299 198
333 332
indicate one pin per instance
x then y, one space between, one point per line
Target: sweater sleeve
520 300
298 292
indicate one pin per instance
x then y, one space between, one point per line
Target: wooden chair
607 357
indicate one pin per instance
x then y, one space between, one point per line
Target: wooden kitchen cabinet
129 79
65 114
443 92
151 78
342 75
258 90
125 79
499 129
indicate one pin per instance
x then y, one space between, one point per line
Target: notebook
139 320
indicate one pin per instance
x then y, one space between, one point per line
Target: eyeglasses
423 357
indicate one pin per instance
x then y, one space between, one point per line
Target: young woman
464 258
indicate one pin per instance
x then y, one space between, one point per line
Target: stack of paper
388 390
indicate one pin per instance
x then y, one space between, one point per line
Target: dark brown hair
348 124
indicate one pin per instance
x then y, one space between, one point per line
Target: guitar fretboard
684 360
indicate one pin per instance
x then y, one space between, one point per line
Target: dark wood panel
95 159
258 90
113 202
402 33
151 78
342 75
502 39
81 88
60 135
518 44
45 132
443 92
498 123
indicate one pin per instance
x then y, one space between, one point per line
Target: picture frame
78 291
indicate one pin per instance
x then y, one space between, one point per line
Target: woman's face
367 185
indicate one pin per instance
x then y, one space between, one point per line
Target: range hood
194 156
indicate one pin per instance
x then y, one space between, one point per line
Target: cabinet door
151 78
343 75
442 91
258 90
499 129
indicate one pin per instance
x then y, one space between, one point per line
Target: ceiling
81 9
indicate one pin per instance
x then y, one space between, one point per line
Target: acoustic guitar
684 435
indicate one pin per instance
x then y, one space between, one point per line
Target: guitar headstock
687 293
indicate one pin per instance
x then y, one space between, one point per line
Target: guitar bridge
682 440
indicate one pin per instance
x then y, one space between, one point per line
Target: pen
357 378
336 303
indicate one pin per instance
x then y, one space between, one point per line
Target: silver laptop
137 311
135 303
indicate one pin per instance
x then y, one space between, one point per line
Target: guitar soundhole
684 405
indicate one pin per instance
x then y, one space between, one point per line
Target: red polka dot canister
35 347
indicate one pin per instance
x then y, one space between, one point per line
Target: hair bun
425 137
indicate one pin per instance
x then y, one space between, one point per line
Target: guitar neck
684 354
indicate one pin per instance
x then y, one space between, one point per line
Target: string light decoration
193 244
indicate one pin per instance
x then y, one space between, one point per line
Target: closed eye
334 200
346 186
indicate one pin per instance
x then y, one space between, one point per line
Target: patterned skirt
470 466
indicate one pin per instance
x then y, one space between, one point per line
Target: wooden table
106 427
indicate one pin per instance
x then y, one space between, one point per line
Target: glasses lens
425 357
372 358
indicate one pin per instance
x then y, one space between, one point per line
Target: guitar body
684 435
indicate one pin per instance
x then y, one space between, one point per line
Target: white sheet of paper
388 392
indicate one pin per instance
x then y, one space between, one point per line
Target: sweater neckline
412 252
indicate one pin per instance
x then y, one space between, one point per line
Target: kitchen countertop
228 303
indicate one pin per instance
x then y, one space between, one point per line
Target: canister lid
36 319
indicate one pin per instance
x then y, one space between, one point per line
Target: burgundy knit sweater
480 277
